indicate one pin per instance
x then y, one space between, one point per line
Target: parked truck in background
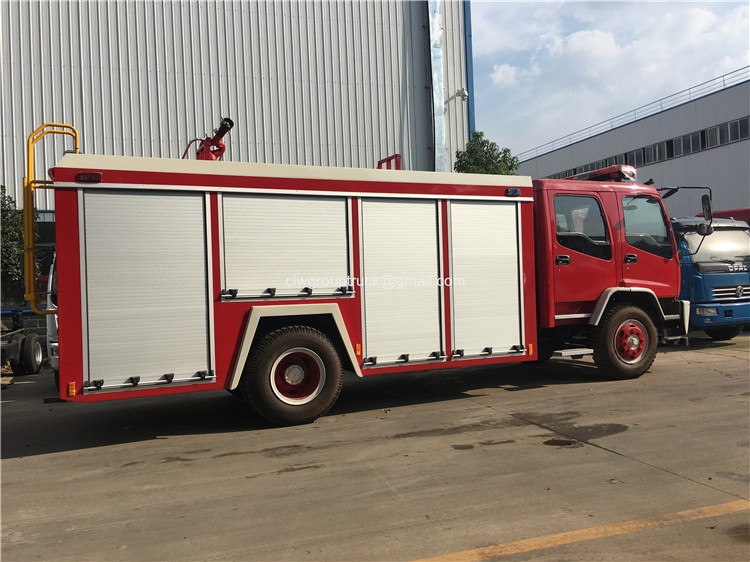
715 274
51 321
20 348
269 281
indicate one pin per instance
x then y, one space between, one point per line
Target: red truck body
742 214
180 276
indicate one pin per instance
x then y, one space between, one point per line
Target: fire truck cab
603 247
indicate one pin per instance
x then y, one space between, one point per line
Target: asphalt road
520 463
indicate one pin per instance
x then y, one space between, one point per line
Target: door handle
631 258
562 260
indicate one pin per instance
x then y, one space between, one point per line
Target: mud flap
684 317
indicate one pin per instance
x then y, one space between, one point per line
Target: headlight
706 311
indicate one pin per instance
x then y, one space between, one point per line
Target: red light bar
89 177
620 172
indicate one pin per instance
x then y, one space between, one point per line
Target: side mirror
704 229
707 210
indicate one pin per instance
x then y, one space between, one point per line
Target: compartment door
284 245
400 274
485 277
145 290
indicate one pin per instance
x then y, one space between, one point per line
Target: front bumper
716 314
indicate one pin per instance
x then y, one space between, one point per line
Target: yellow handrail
29 184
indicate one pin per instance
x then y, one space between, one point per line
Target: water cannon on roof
212 148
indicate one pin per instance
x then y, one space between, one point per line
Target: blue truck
715 274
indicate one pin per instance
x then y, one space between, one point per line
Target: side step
675 340
575 353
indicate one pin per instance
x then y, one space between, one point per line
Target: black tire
724 333
31 354
17 367
549 341
293 376
625 342
545 349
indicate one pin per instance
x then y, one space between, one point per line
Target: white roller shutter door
485 273
400 272
285 243
145 293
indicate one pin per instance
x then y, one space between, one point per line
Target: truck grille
733 293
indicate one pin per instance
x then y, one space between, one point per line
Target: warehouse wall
454 61
316 83
722 167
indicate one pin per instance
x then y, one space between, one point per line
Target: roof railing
711 86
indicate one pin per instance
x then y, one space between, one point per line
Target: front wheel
724 333
625 342
293 376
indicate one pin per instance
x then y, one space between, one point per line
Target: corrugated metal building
697 137
313 82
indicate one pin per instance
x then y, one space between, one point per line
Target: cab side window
646 225
580 226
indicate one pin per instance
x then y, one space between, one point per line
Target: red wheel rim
631 340
297 376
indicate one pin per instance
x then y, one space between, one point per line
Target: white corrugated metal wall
455 77
316 82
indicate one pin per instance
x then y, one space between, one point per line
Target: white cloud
504 27
504 75
544 70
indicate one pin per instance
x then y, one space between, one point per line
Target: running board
575 353
676 340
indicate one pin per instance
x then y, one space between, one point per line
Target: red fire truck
271 280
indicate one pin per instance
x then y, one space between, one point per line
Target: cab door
648 258
583 264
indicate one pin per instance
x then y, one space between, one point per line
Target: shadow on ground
31 426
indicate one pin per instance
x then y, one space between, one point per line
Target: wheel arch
326 318
638 296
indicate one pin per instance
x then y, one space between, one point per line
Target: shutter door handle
631 258
562 260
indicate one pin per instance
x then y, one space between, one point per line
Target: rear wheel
31 354
723 333
17 367
625 342
293 376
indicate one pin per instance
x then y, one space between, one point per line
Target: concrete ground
519 462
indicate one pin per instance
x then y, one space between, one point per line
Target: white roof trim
172 165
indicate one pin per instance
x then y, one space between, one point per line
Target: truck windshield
646 225
722 251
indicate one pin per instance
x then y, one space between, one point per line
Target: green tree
12 239
11 251
483 156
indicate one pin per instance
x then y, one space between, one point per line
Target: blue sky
546 69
